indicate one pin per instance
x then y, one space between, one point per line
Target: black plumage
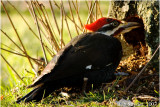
68 68
94 56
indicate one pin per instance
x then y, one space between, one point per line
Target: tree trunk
148 11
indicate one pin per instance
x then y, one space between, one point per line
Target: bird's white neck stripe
103 33
110 32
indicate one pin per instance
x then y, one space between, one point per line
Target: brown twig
96 10
87 4
90 14
12 69
55 49
26 55
61 30
23 19
2 44
68 17
29 72
142 70
71 12
30 10
49 28
45 57
25 52
16 53
53 40
99 9
10 39
53 14
66 21
56 39
29 25
76 8
90 7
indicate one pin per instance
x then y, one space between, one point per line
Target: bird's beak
128 26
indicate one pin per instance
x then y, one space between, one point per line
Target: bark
149 12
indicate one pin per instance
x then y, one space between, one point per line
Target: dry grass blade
26 55
87 4
49 51
25 52
45 57
66 22
24 20
11 40
90 14
99 9
68 17
142 70
37 8
50 25
96 10
71 12
61 30
47 28
53 14
12 69
16 53
29 8
41 20
28 27
79 19
2 44
50 40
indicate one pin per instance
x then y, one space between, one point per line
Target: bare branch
45 57
13 69
66 21
70 8
142 70
90 14
77 14
11 40
61 30
68 17
16 53
25 52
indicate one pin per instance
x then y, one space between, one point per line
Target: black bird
93 56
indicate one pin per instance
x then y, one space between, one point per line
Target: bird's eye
115 23
109 20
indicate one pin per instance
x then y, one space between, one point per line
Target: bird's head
111 27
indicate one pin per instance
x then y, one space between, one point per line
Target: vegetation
20 52
11 86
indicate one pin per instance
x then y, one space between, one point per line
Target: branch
39 33
142 70
13 69
25 52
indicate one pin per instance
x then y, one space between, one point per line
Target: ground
144 91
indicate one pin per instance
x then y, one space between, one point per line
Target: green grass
91 99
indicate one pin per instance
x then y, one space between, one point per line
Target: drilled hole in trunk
134 48
134 41
135 57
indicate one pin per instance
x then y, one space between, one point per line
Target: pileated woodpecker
93 55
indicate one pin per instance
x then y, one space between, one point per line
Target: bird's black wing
93 49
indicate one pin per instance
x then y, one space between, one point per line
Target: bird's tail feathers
36 94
